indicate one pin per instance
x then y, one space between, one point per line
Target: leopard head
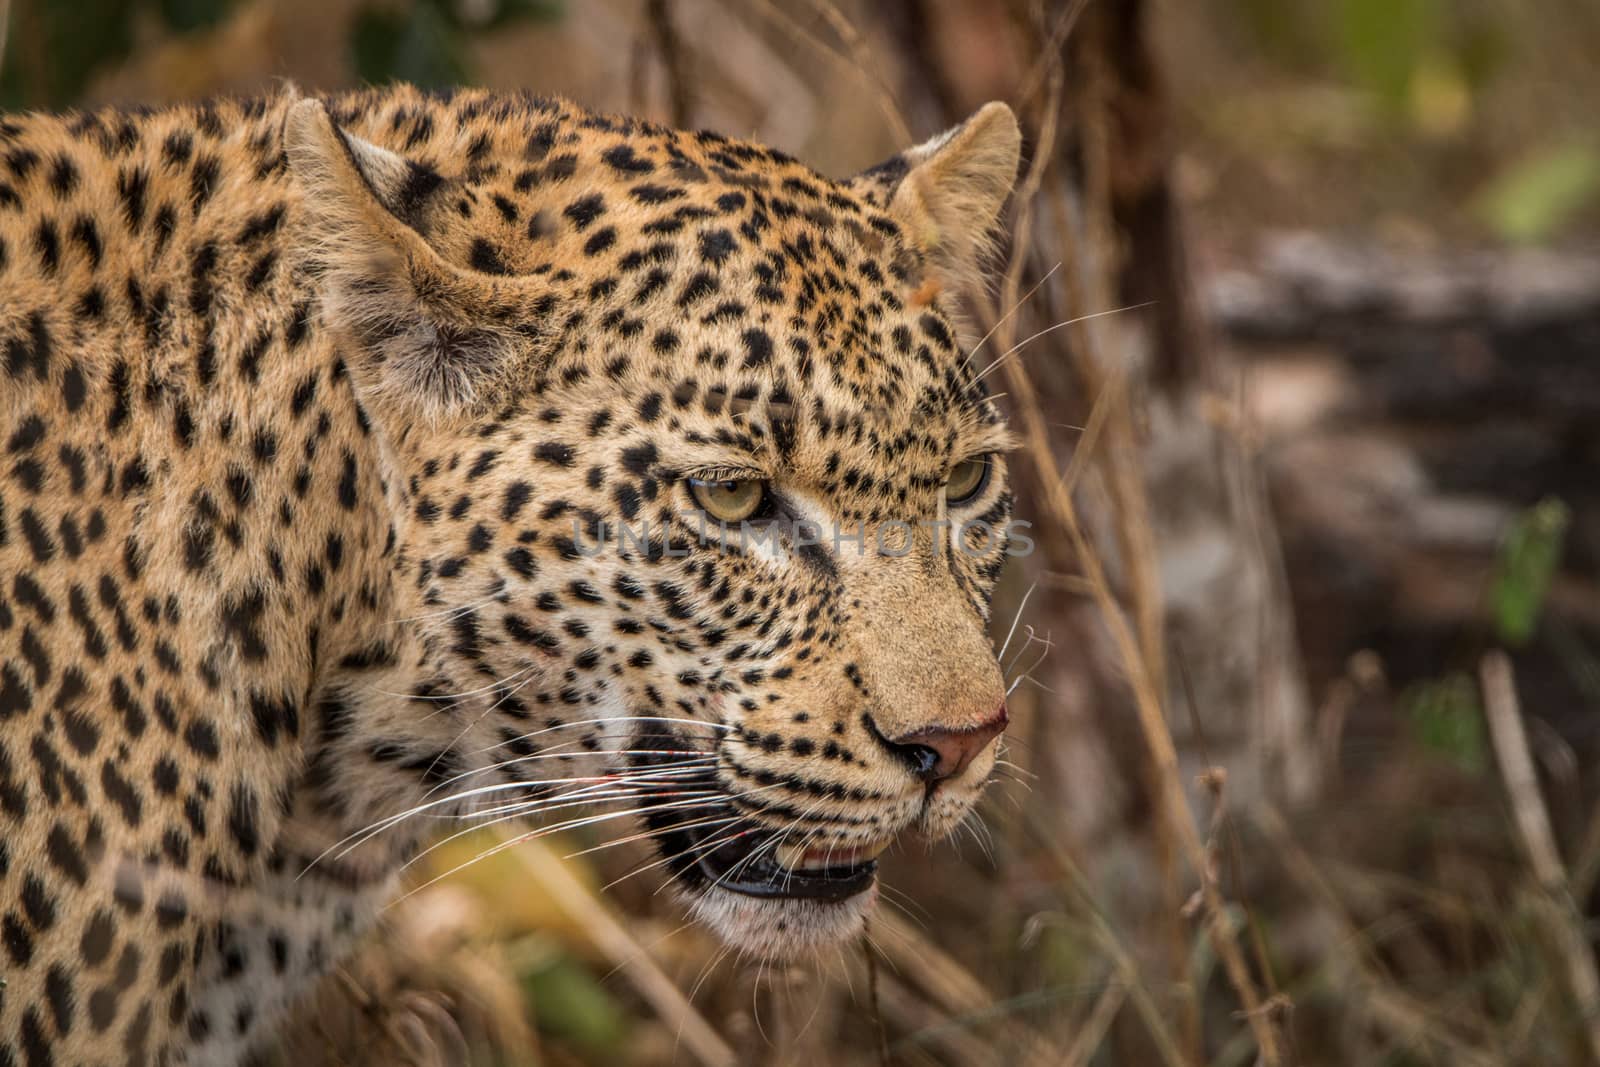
692 477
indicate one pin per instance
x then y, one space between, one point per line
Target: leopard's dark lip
712 846
744 863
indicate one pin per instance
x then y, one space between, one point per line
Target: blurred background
1307 664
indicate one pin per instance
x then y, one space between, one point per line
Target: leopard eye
967 480
730 500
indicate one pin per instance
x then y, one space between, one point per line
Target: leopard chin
775 894
788 929
777 889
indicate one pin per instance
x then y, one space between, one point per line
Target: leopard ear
948 191
434 339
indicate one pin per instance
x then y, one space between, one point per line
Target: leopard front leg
271 947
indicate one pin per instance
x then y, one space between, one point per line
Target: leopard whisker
440 697
1001 321
803 843
1026 675
1051 329
642 834
362 836
761 849
606 720
1032 637
688 760
698 846
579 723
686 798
755 1002
580 797
715 841
645 950
705 972
821 995
509 813
771 845
1015 768
1030 680
629 788
474 723
542 831
562 751
1015 619
710 844
896 897
461 609
970 826
676 768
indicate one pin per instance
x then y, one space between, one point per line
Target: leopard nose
937 752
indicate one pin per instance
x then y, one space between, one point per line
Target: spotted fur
314 413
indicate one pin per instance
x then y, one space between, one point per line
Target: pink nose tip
950 751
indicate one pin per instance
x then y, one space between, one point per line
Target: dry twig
1122 960
1093 1030
867 65
1558 913
1398 1013
1135 657
942 981
669 47
1141 656
1152 722
626 954
852 64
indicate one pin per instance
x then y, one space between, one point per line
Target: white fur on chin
782 929
796 929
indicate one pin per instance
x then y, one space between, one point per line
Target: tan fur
958 181
313 409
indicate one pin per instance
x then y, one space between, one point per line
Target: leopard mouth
753 864
715 845
712 846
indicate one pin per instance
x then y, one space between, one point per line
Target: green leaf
1445 718
186 15
1538 197
571 1005
1528 559
421 47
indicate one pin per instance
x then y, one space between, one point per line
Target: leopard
380 457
